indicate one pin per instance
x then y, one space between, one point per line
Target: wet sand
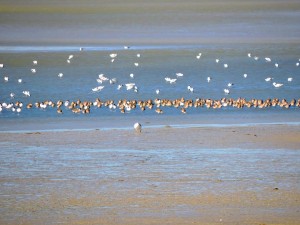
165 175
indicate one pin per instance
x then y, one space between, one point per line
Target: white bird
131 75
126 47
120 86
12 95
290 79
99 88
171 81
102 77
276 65
26 93
6 79
229 84
225 65
1 65
256 58
138 127
19 110
19 81
136 89
138 55
80 49
277 85
136 64
113 80
199 55
208 79
245 75
60 75
112 60
157 91
249 55
268 59
191 89
129 86
34 62
217 60
113 55
71 57
33 70
179 74
297 64
268 79
226 91
68 61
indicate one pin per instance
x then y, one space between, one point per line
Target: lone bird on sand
138 127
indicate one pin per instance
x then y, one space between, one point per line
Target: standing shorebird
138 127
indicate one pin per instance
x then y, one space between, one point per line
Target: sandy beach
164 175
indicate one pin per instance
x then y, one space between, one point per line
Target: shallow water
155 63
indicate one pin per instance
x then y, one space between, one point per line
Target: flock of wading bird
125 106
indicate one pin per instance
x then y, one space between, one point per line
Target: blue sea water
155 63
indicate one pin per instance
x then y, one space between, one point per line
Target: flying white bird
129 86
179 74
191 89
131 75
229 84
268 59
268 79
245 75
157 91
26 93
120 86
113 81
60 75
277 85
6 79
290 79
208 79
171 81
276 65
136 64
102 77
226 91
249 55
19 81
99 88
217 60
138 55
34 62
225 65
33 70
